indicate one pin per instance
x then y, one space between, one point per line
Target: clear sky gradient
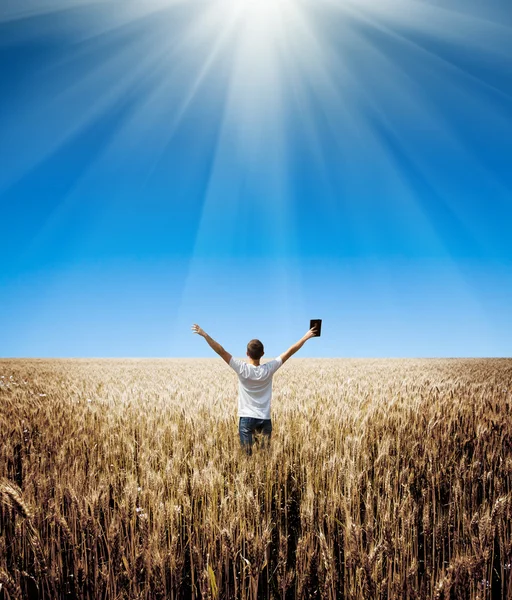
251 165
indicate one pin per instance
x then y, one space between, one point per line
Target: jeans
248 426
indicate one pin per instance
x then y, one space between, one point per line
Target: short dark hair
255 349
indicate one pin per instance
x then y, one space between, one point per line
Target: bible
317 324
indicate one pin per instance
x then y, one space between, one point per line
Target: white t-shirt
255 387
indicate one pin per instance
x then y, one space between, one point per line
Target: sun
264 20
262 9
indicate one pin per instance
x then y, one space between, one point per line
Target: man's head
255 349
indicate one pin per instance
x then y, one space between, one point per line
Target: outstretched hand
197 329
311 333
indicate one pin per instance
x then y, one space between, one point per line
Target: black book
317 324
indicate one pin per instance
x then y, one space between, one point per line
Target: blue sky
249 166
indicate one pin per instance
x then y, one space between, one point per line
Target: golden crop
388 479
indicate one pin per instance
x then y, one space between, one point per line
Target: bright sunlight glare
262 18
263 34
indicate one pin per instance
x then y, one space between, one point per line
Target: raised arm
213 344
292 349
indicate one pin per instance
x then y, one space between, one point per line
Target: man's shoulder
238 365
237 361
274 364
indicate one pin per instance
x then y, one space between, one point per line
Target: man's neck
254 363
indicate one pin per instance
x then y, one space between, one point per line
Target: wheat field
386 479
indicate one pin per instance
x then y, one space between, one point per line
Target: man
254 385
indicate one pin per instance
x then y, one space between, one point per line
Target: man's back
255 387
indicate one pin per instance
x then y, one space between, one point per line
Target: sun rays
264 55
